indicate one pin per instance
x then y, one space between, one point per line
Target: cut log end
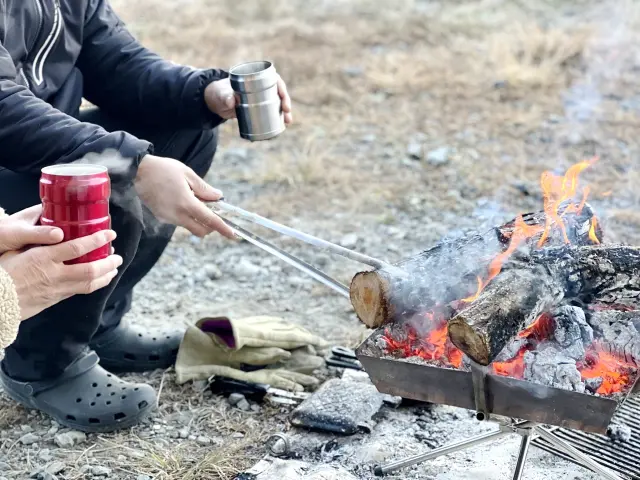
469 341
368 294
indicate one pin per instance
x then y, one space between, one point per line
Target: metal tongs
225 209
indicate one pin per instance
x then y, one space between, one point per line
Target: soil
413 122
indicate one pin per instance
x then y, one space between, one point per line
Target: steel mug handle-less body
258 109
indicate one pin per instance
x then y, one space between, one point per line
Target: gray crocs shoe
134 348
86 397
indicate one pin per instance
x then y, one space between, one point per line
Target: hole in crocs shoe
140 335
109 385
98 394
94 385
124 397
94 420
154 358
136 389
113 393
109 375
143 404
71 417
124 388
119 416
108 402
168 337
154 339
93 404
78 400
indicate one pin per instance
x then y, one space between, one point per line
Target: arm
9 307
123 77
33 134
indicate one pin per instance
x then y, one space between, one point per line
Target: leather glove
276 377
216 342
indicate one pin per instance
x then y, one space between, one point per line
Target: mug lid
74 169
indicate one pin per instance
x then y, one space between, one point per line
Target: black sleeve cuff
209 119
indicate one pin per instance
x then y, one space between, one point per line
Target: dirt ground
413 121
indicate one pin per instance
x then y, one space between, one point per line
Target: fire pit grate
620 457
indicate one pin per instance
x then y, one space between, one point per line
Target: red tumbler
75 198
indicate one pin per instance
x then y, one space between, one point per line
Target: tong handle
226 386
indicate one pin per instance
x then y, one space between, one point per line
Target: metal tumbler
258 109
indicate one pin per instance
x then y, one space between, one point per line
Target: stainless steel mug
258 110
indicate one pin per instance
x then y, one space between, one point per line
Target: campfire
541 299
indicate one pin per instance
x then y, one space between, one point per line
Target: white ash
571 325
549 366
511 349
619 433
619 333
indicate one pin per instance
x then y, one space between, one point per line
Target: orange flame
615 373
592 231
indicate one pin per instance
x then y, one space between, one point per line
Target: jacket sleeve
33 134
128 79
9 307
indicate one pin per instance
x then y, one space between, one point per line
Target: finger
17 235
196 228
87 272
202 189
81 246
288 118
212 222
284 96
30 215
99 283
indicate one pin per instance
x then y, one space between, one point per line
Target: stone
184 432
349 241
29 439
100 471
212 272
53 430
439 156
235 398
414 150
143 477
243 405
204 441
245 268
69 439
619 433
55 468
26 428
4 467
237 435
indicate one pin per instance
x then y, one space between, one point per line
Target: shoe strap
79 367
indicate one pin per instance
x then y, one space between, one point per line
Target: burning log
525 290
449 270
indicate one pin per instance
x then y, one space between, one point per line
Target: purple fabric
222 328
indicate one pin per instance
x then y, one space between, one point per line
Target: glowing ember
615 373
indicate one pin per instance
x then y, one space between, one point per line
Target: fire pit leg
381 470
576 454
522 456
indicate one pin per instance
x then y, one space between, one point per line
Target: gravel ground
413 123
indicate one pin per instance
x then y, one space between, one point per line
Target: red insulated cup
75 198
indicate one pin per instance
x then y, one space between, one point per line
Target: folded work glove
220 346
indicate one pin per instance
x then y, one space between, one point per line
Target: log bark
447 271
525 289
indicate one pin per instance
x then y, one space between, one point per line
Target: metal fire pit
517 406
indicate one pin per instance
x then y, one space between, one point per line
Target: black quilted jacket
53 53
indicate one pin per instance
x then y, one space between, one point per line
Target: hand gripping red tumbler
75 198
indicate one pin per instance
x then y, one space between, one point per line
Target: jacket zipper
37 67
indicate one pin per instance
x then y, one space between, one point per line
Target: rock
29 439
439 156
350 240
204 441
619 433
414 150
353 71
69 439
26 428
244 268
100 471
143 477
243 405
235 398
53 430
212 272
237 435
135 454
54 468
184 432
44 475
4 467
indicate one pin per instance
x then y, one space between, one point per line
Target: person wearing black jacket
160 120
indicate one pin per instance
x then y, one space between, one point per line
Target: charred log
449 270
618 333
524 290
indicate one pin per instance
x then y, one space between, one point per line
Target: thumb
202 189
15 236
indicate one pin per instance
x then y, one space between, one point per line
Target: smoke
123 195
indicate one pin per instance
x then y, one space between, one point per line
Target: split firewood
618 333
449 270
525 289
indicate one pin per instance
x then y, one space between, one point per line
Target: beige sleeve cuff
9 310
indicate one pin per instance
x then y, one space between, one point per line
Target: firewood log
525 289
448 271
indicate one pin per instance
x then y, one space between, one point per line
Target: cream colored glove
262 341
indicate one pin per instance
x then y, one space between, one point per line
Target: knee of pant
202 152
